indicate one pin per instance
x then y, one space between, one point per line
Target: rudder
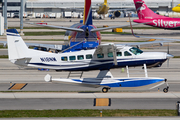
87 19
17 49
144 12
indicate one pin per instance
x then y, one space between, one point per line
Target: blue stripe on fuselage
135 83
105 66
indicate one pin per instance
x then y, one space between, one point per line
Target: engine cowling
117 13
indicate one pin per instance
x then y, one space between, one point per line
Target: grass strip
84 113
2 47
43 33
3 56
33 28
6 56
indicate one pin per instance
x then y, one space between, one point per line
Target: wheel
165 90
105 90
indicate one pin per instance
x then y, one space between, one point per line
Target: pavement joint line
175 95
34 95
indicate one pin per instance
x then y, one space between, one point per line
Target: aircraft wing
143 43
59 27
48 46
112 27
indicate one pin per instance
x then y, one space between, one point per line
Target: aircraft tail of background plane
87 20
105 1
144 12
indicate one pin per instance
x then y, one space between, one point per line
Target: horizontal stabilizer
59 27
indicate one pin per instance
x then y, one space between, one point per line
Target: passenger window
119 54
72 57
64 58
100 55
80 57
127 53
110 54
89 56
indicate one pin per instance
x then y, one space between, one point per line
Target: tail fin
105 1
87 20
17 49
144 12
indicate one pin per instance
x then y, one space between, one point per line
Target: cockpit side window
126 53
135 51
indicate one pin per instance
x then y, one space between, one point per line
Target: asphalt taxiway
44 101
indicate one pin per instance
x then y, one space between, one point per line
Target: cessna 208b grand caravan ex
147 15
104 58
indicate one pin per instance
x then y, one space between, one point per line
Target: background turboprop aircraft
80 35
83 35
147 15
104 9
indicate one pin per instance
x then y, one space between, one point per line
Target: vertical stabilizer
105 1
87 20
144 12
17 49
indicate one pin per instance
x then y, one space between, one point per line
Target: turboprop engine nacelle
117 13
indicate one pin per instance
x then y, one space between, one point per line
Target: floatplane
103 58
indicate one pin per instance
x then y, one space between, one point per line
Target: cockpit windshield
136 51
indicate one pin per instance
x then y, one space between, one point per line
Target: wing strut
114 55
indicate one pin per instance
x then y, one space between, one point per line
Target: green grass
3 56
43 40
2 47
84 113
43 33
176 57
6 56
122 33
32 28
141 28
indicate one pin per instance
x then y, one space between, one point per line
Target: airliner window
89 56
64 58
72 57
127 53
135 51
100 55
110 54
80 57
119 54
